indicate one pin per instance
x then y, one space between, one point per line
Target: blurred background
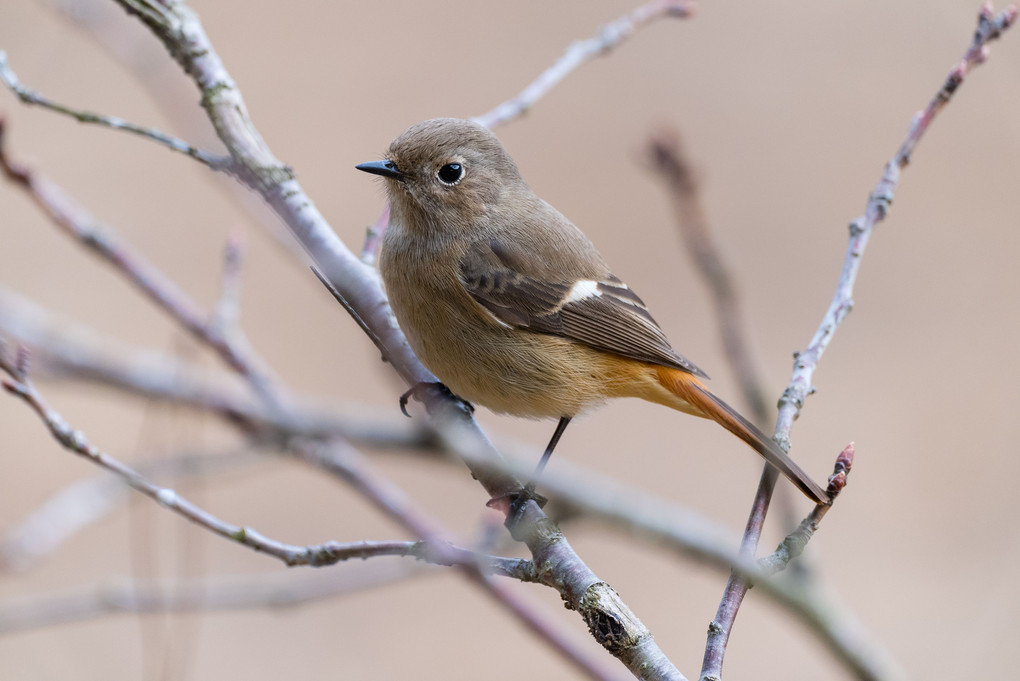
788 110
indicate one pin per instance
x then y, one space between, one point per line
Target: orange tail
689 389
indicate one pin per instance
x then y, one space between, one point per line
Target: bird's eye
451 173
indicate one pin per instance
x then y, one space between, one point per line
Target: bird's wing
604 314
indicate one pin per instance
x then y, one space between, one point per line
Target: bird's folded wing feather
604 313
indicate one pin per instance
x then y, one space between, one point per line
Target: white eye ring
451 174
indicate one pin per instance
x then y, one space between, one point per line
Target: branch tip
838 479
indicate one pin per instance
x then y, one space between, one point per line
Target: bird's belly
507 370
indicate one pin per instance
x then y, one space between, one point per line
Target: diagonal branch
667 158
580 52
63 349
990 27
10 79
346 464
160 289
675 529
84 502
794 543
343 462
318 555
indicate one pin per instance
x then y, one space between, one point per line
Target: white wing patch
581 290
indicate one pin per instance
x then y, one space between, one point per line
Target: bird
512 307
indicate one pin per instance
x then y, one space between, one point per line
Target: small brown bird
511 305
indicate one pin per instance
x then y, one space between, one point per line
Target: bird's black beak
385 168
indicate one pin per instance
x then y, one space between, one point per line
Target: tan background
790 110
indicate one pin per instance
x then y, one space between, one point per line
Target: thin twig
231 592
102 240
85 502
327 553
667 158
64 350
345 463
10 79
990 27
793 544
694 537
608 38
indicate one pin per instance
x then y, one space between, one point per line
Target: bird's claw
512 504
419 390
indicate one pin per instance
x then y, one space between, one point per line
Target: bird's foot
512 504
420 391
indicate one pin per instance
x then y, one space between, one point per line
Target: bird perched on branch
512 307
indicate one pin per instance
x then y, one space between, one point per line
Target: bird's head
446 173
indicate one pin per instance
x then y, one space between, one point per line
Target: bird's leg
420 390
517 501
529 489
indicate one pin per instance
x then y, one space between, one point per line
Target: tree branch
693 537
317 555
344 462
10 79
667 158
62 349
229 592
103 241
990 27
86 501
794 543
580 52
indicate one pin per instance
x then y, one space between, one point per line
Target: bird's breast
480 358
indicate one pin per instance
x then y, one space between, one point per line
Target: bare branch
667 158
345 463
794 543
230 592
75 221
234 592
65 350
608 38
990 27
317 555
181 32
677 529
85 502
10 79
